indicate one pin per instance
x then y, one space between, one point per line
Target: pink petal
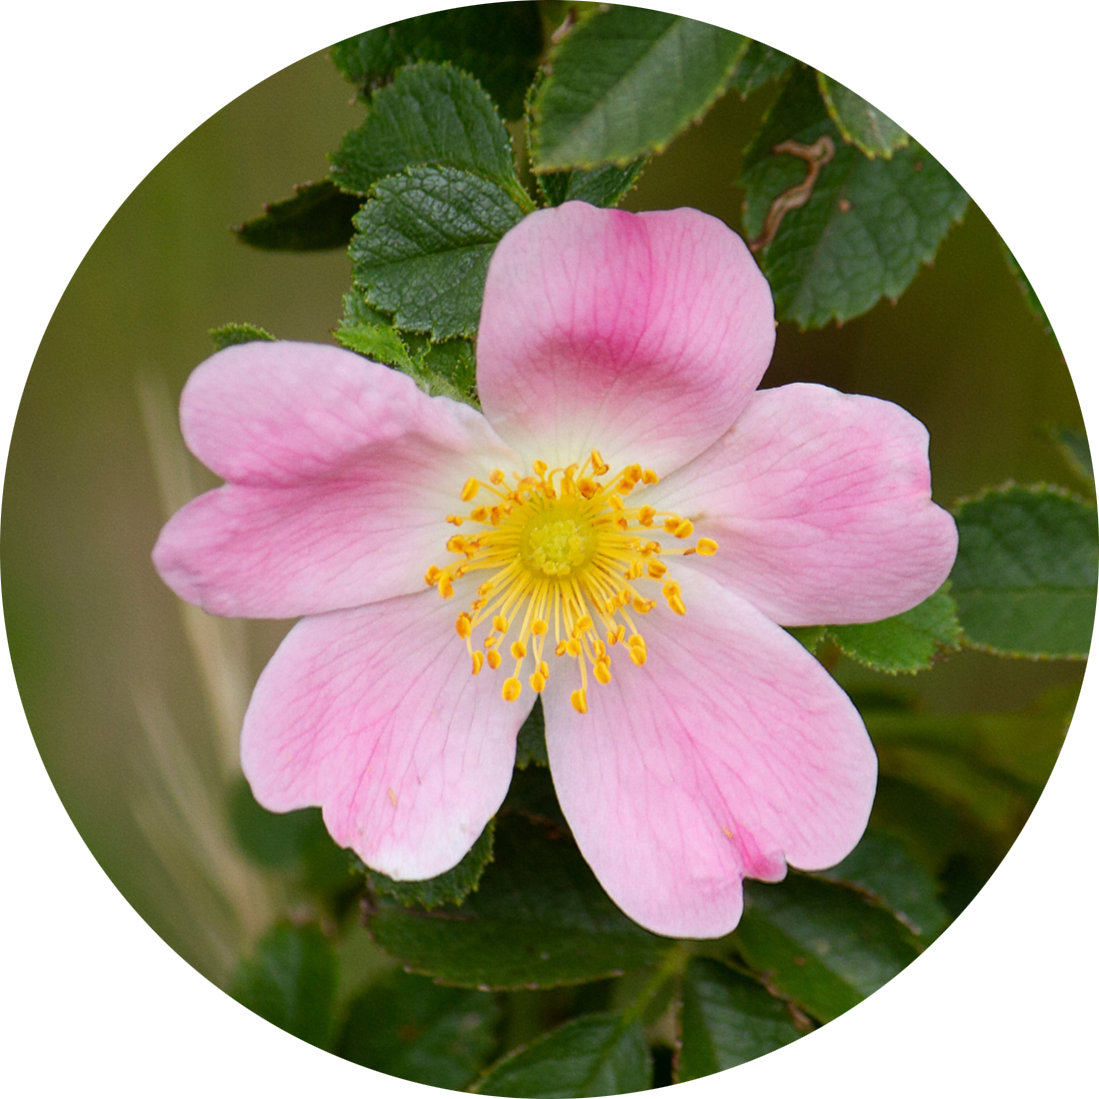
729 754
640 335
373 713
341 476
820 503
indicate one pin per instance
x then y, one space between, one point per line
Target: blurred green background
135 700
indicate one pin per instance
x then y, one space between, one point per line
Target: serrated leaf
539 919
1073 446
317 217
623 83
881 867
1025 577
380 342
591 1055
759 65
727 1019
297 843
1029 296
290 981
809 636
430 114
453 887
821 944
228 335
407 1026
499 44
860 123
424 245
907 642
867 224
606 186
531 744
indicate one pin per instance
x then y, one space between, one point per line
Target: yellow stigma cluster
563 553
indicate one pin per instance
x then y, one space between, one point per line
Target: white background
95 1002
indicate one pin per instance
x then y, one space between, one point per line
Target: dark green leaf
430 114
727 1019
860 123
810 636
290 981
532 795
592 1055
605 186
1031 298
424 245
297 843
228 335
450 888
881 867
531 745
1025 577
409 1027
908 642
318 216
1073 447
823 945
623 83
759 65
866 227
539 919
498 43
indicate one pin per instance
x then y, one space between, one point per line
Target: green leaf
424 245
821 944
606 186
297 844
532 795
866 227
531 745
591 1055
623 83
1073 447
907 642
498 43
450 888
318 216
727 1019
228 335
290 981
759 65
409 1027
881 867
380 342
1029 296
809 636
539 919
430 114
1025 577
860 123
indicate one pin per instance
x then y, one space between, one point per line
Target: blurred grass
105 655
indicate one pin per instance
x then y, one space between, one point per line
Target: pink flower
625 530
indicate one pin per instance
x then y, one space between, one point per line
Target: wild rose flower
624 531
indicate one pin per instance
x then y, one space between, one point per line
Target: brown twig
815 156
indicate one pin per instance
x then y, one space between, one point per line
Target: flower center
563 551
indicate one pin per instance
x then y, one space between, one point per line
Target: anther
684 529
537 682
497 477
500 623
478 662
464 625
494 659
432 575
643 606
579 700
649 477
538 627
512 689
446 588
469 489
638 655
518 650
657 569
646 515
602 672
599 467
707 547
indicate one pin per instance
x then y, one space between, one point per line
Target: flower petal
341 476
640 335
373 714
820 503
729 754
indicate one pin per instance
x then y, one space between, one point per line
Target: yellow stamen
512 689
707 547
469 490
478 662
579 700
